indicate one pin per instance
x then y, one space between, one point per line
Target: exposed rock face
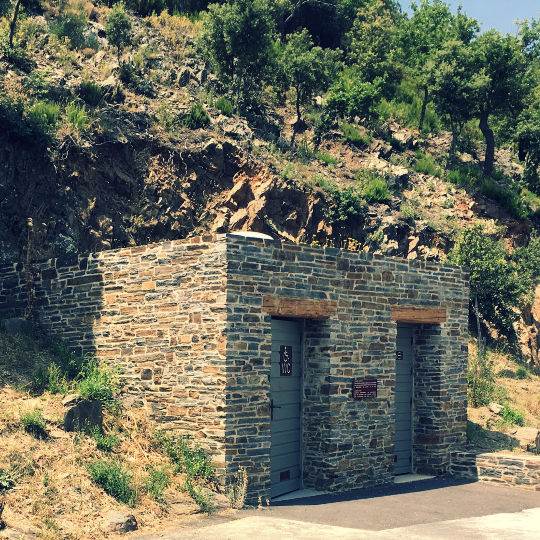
528 330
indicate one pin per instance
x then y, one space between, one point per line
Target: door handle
272 407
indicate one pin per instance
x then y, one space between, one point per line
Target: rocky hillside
104 150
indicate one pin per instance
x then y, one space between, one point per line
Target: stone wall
508 469
188 323
156 312
347 300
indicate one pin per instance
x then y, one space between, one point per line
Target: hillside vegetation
332 122
60 484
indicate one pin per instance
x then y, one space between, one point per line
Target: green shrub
426 164
327 158
115 480
480 383
71 23
303 151
187 458
34 423
77 116
374 188
196 118
57 383
354 136
104 442
157 481
506 197
119 28
512 416
201 495
350 97
91 92
408 212
98 382
8 479
522 373
45 112
224 105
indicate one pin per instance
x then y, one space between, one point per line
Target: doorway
286 407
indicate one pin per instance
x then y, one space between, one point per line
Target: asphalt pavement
438 508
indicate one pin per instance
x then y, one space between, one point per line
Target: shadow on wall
59 298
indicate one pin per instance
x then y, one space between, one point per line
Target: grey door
286 400
404 386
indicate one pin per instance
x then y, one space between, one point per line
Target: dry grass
54 493
522 395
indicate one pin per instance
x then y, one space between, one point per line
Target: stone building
308 366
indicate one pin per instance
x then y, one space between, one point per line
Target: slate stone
86 413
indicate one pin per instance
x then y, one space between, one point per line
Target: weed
115 480
34 423
449 203
512 416
480 380
98 382
45 112
202 496
77 116
90 92
375 239
104 442
157 482
8 479
224 105
196 118
426 164
375 187
237 488
354 136
288 172
303 152
408 212
327 158
187 458
57 383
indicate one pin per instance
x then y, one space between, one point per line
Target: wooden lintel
302 308
418 314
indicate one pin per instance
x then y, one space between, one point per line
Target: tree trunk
487 132
13 23
423 111
297 123
453 147
480 339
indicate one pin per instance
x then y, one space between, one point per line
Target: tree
507 84
372 44
31 6
238 40
496 288
118 28
456 84
528 137
424 34
308 69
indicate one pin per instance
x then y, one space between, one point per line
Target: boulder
119 522
85 414
495 407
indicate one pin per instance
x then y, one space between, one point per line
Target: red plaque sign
364 388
